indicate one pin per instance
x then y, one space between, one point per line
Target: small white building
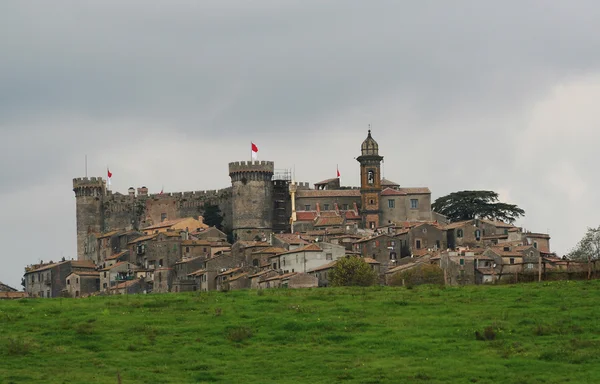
306 258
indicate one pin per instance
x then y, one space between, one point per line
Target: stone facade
83 283
49 280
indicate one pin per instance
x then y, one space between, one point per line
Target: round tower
89 198
370 182
252 199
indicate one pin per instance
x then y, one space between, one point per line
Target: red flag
109 173
338 172
254 151
254 147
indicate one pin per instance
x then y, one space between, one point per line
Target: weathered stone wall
252 198
89 197
303 280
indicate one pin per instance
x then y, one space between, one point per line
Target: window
160 263
163 217
437 244
371 201
104 285
418 244
459 233
391 203
372 225
255 262
506 231
477 234
77 280
424 230
307 207
512 260
462 261
274 265
393 256
530 266
535 245
345 207
328 256
283 261
326 207
187 249
414 203
68 281
104 273
370 176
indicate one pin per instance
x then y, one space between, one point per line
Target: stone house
200 278
322 273
404 204
261 257
256 278
240 281
206 277
383 248
289 241
83 283
163 280
183 282
406 264
163 251
196 248
244 249
422 236
511 260
129 287
346 240
278 281
6 288
224 277
116 273
209 234
138 247
458 266
539 241
468 233
302 280
49 280
308 257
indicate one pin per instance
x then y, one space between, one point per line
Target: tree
588 248
212 215
467 205
352 271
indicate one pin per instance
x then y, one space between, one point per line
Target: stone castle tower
370 182
89 196
251 199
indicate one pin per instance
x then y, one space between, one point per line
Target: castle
259 201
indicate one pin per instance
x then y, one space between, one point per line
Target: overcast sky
460 95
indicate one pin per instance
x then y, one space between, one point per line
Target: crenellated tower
370 182
89 200
252 199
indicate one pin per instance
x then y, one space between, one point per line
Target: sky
460 95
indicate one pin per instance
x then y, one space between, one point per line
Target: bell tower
370 182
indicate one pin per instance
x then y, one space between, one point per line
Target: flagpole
86 166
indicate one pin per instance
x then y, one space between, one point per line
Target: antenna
85 165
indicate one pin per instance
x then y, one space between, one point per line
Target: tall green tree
467 205
587 249
212 215
352 271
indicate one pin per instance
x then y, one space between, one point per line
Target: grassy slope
545 334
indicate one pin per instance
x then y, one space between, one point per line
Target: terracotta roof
370 260
234 278
387 182
259 274
364 240
13 295
305 215
166 223
229 271
107 234
328 193
329 221
125 284
143 238
195 242
352 215
198 272
290 238
392 192
271 250
497 223
170 234
537 235
252 244
458 224
280 277
116 255
415 191
86 274
306 248
323 267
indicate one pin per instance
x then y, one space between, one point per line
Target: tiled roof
537 235
198 272
306 248
143 238
352 215
116 255
323 267
166 223
392 192
259 274
125 284
370 260
305 215
234 278
290 238
415 191
364 240
107 234
86 274
279 277
328 193
229 271
115 265
252 244
329 221
195 242
497 223
386 182
270 250
458 224
74 264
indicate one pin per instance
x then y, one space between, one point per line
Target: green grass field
544 333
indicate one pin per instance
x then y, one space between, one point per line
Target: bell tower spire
370 181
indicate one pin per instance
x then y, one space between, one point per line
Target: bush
239 334
422 274
352 271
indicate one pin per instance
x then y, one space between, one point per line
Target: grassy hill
537 333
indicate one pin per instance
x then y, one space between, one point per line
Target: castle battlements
252 166
82 182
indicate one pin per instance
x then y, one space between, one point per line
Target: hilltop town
277 232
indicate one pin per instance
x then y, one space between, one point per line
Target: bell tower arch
370 182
